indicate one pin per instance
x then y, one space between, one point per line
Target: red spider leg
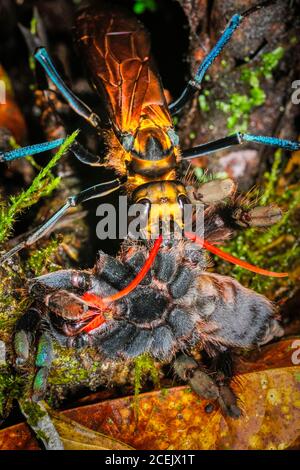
100 303
232 259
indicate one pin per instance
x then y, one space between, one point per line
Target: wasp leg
238 139
84 155
194 85
98 190
81 153
42 56
30 150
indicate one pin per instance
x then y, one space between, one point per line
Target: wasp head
163 207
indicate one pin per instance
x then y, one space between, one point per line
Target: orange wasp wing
116 49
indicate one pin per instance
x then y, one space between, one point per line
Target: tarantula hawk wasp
167 303
143 147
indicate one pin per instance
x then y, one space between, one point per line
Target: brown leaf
268 387
77 437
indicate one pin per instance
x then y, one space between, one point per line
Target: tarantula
177 309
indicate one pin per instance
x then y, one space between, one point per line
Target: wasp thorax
152 143
152 152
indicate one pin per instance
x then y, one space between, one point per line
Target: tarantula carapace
177 309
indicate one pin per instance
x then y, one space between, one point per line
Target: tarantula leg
228 401
261 216
188 370
23 339
222 366
43 361
212 192
60 280
204 385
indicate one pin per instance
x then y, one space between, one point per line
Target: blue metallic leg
80 152
238 139
98 190
195 84
272 141
30 150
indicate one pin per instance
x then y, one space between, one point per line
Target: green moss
11 387
271 179
43 184
240 106
203 176
203 103
224 63
143 366
164 392
67 369
33 412
270 61
42 260
140 6
13 294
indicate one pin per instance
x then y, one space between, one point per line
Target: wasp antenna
232 259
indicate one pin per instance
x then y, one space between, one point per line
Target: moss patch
239 106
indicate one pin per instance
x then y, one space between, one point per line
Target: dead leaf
77 437
268 386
